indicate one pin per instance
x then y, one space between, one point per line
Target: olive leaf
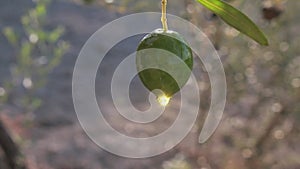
236 19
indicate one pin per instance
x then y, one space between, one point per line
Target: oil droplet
163 100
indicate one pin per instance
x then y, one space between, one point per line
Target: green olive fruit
165 49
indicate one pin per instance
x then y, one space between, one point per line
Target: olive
170 52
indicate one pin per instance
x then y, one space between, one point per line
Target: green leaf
25 54
10 35
55 34
236 19
40 10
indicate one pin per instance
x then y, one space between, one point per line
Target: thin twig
164 15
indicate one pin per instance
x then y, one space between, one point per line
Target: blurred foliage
36 55
261 123
178 162
262 115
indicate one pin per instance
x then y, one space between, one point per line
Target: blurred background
40 41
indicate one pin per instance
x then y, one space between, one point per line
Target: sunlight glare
163 100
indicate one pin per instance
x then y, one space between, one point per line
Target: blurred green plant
36 55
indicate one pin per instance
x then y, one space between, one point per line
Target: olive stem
164 15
